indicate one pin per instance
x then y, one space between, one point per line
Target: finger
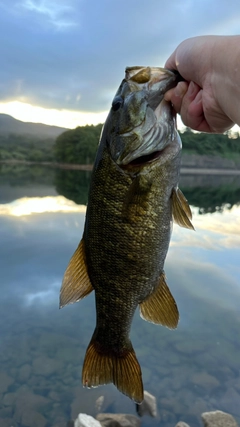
175 95
168 95
191 107
195 114
192 113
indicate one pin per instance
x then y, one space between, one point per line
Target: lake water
193 369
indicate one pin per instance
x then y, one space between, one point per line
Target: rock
198 407
83 400
205 380
24 373
55 396
32 418
118 420
45 366
5 382
99 403
230 401
29 405
148 406
173 405
182 424
6 422
84 420
218 419
190 347
9 399
6 412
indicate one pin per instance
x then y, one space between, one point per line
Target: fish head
141 124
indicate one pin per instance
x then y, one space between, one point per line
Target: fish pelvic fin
122 370
181 211
76 283
160 306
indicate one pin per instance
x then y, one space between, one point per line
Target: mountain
9 125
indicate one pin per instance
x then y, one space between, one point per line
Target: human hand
199 99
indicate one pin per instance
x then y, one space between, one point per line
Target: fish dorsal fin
160 307
181 211
76 283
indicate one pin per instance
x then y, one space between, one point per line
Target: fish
133 200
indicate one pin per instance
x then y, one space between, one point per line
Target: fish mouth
143 140
153 143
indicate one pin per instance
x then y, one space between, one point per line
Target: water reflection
209 193
73 184
193 369
212 199
28 206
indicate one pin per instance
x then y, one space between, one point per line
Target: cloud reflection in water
32 205
38 237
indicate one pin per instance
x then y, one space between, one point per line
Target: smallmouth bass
133 199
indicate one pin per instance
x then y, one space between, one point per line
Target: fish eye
117 103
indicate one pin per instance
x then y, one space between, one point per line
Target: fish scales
133 199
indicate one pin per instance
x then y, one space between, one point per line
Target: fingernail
180 89
191 88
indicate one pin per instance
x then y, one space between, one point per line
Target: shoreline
71 166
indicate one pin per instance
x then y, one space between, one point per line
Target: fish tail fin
104 367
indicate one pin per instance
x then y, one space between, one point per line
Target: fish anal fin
108 367
160 306
181 211
76 283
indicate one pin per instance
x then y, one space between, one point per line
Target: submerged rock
148 406
182 424
29 408
84 420
24 373
5 382
45 366
9 399
218 419
206 381
118 420
33 418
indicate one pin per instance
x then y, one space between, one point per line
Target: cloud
59 14
72 54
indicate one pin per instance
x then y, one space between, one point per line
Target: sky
63 60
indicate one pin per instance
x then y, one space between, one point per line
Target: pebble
218 419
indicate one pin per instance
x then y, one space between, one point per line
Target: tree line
79 146
26 148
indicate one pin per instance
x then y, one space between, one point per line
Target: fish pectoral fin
160 306
122 370
76 283
181 211
136 200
